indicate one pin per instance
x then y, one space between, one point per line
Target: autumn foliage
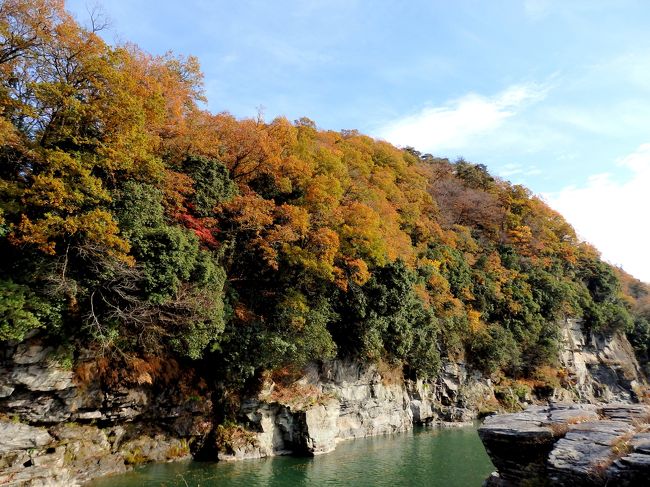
134 220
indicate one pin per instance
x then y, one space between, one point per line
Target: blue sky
551 94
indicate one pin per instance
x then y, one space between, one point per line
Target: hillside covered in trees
135 223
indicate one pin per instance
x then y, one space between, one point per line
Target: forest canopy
134 220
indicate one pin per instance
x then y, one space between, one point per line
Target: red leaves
204 228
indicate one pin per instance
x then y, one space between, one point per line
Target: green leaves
212 184
22 311
387 320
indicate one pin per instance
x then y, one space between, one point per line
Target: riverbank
64 422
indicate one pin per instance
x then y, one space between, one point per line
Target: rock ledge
570 444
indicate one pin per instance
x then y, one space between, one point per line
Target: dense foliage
133 220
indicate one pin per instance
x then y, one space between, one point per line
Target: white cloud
612 213
512 169
453 125
537 9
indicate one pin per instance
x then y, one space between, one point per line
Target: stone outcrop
601 367
570 445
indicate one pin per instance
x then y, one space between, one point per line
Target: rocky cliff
59 429
600 367
341 400
63 423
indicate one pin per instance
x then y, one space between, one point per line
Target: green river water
451 457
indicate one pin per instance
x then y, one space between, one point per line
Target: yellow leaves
441 299
522 237
329 162
295 308
60 204
64 185
47 191
291 225
96 227
99 228
476 325
358 271
38 235
316 255
361 233
322 197
359 164
435 264
8 134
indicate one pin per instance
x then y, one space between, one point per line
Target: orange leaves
39 235
361 233
360 203
358 270
441 298
522 237
324 243
246 148
176 187
270 228
283 233
250 213
96 228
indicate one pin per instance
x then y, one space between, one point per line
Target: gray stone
586 451
583 448
601 367
43 408
18 436
30 353
319 435
86 415
6 390
37 378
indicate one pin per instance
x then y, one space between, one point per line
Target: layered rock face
56 431
349 400
601 367
570 445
